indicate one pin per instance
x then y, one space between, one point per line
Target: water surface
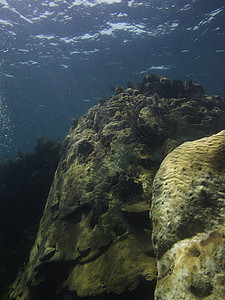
58 57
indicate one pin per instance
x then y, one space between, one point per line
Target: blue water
58 57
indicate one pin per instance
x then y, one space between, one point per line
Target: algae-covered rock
94 237
188 215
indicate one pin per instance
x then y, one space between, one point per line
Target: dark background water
58 57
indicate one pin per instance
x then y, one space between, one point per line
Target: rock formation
94 237
188 217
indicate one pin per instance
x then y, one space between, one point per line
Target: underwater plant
24 185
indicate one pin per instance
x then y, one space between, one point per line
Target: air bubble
6 127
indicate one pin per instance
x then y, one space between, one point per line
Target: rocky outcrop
94 237
188 216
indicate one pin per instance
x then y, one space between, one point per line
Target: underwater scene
112 149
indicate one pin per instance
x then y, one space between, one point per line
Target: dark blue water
58 57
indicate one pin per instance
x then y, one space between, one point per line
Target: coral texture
188 216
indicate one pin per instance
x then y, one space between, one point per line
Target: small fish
8 75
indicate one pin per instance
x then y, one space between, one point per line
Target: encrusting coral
188 216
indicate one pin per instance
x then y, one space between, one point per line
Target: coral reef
188 216
94 236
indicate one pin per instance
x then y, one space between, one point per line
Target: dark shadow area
24 187
144 291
